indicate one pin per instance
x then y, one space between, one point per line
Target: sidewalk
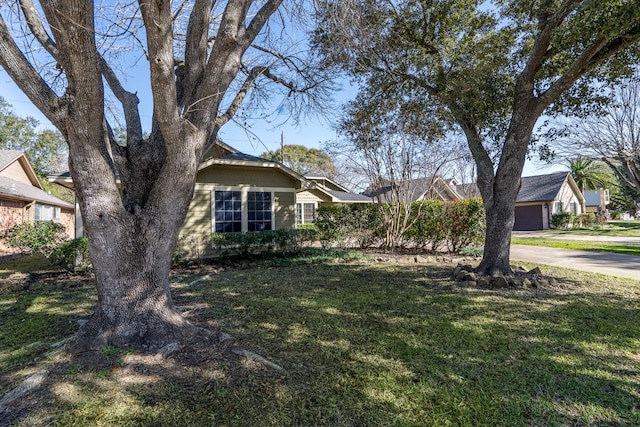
595 262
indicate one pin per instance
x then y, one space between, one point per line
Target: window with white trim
259 211
228 211
237 210
305 213
46 212
573 206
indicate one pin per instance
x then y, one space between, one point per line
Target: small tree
401 166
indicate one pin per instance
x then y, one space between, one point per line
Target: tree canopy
612 134
45 149
490 69
303 159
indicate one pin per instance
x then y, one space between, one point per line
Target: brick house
23 199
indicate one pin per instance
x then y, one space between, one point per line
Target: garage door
528 218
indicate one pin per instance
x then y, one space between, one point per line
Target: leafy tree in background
303 159
490 68
587 173
205 60
612 134
45 149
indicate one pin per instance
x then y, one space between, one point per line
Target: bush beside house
435 225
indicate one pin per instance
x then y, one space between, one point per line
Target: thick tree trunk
500 218
134 307
500 190
131 240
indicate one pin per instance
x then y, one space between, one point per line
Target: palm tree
588 174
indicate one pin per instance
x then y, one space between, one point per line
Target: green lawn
583 245
613 228
363 344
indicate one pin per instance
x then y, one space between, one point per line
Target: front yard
359 343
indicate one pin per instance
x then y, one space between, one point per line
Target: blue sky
264 135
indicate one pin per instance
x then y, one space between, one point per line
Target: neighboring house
596 201
323 192
429 188
235 192
23 199
542 196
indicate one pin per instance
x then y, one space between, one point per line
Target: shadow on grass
373 345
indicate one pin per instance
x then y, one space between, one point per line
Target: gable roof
17 190
325 181
419 188
545 188
9 157
242 159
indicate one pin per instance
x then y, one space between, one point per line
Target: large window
573 206
46 212
306 213
228 211
243 211
259 211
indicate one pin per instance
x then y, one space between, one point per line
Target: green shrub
457 224
342 225
40 237
466 223
590 219
563 220
428 230
72 255
333 224
281 241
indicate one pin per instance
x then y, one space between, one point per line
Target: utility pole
282 147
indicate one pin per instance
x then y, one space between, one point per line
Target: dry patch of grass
360 343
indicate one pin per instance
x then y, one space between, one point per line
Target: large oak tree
492 68
204 58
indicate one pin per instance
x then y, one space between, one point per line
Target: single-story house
323 192
23 199
240 192
413 190
234 192
542 196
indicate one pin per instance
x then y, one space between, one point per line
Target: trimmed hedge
278 242
434 225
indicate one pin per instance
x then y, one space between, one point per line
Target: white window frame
244 191
44 212
300 218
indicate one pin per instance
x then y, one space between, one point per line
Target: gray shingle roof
15 189
350 197
245 157
541 188
7 157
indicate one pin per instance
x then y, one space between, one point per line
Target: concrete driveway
595 262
